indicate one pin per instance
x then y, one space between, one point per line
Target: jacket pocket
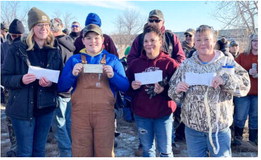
47 97
17 105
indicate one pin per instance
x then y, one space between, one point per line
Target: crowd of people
205 89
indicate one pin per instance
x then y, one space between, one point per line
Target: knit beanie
16 27
93 18
36 16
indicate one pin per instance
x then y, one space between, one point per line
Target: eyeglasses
41 25
154 20
76 26
188 35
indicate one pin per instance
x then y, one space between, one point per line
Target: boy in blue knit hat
108 44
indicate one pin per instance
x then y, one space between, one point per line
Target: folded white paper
199 78
49 74
92 68
149 77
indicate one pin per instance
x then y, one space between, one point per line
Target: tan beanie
35 16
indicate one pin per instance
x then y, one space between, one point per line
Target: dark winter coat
5 47
67 47
25 99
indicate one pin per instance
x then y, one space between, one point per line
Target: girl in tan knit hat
32 100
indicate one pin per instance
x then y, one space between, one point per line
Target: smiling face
41 31
152 45
205 43
93 42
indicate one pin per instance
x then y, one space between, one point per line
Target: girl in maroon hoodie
150 103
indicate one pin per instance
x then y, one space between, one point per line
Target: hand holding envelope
149 77
77 69
48 74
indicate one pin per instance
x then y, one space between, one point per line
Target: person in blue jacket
93 89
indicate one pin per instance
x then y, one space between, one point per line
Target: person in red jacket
153 109
247 106
170 42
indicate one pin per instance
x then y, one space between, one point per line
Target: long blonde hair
249 48
49 42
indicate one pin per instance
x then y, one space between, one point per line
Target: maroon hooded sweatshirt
171 45
159 105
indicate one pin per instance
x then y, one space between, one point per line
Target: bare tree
10 11
238 14
68 19
128 25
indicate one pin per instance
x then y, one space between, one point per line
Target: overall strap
83 58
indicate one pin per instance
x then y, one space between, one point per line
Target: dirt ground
127 142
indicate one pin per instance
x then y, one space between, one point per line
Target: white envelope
92 68
51 75
199 78
149 77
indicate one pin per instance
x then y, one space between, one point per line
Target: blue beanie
93 18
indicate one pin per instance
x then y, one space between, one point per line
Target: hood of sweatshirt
66 41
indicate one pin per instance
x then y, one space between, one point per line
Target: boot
238 136
253 136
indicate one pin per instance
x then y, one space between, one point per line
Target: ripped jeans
155 129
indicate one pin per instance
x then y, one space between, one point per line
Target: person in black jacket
31 101
16 30
62 120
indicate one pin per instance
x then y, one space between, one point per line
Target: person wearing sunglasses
188 43
171 44
76 30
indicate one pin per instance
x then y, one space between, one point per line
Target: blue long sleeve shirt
117 82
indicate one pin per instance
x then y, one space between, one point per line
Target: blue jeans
158 128
62 127
31 135
246 106
198 144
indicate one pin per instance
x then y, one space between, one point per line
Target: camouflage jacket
193 111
